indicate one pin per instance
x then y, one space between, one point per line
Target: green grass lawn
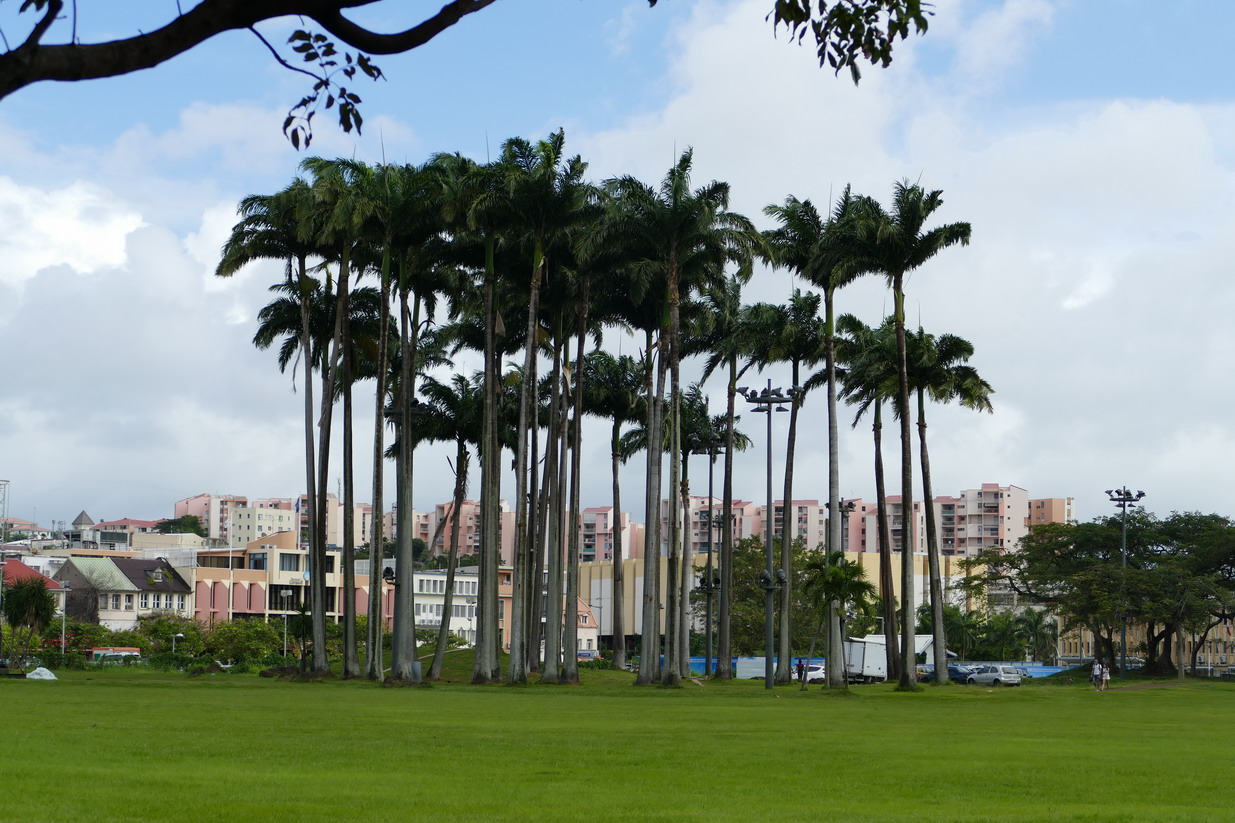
128 744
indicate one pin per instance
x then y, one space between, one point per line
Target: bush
596 663
57 661
168 662
237 640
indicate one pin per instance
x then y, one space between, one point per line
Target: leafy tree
748 598
186 524
243 640
158 630
28 608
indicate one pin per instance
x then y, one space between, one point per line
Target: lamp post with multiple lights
710 582
1123 499
770 580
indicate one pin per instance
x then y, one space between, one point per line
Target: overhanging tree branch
34 61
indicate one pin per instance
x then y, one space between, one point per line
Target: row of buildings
988 516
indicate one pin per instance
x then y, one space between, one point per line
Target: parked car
816 673
995 675
956 673
1024 673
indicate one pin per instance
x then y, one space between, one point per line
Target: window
128 602
102 601
158 601
583 619
289 562
115 602
257 560
145 600
179 602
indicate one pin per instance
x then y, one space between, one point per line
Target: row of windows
125 602
438 586
435 609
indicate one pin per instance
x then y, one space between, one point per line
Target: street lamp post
1123 500
710 584
175 637
283 595
770 579
64 611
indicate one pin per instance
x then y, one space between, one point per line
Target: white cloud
78 226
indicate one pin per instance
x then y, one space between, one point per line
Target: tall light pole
710 584
175 637
64 611
770 580
1123 500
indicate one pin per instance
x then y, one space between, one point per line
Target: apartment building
990 516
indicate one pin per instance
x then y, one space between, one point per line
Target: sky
1090 143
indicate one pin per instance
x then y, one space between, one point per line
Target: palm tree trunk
835 518
570 670
544 496
617 597
649 651
486 661
306 346
351 661
932 551
686 576
403 651
525 509
554 460
672 675
908 648
887 587
724 635
452 561
375 668
317 582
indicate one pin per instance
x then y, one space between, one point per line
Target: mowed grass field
129 744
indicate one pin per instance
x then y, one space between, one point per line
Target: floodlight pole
770 579
1123 500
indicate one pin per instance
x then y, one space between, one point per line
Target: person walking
1095 675
801 667
1106 677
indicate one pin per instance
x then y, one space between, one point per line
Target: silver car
994 676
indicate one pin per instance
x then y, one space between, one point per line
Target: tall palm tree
869 381
895 243
937 367
728 341
612 390
474 206
690 236
546 195
825 253
282 227
453 412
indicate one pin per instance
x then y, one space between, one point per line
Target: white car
815 673
994 676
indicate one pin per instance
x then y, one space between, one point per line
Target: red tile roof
16 570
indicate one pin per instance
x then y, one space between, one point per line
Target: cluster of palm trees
392 270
